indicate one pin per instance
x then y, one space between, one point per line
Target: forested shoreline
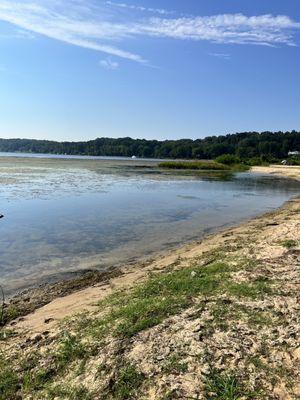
265 146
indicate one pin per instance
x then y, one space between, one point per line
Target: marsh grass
209 166
194 165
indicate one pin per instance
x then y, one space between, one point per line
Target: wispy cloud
109 64
97 27
161 11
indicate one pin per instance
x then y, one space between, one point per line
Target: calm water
65 215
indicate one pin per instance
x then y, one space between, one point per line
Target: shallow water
65 215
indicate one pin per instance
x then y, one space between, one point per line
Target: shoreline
27 303
48 305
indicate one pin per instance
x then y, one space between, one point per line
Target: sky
154 69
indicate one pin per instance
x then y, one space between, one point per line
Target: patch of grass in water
194 165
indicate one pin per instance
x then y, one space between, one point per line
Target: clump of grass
175 365
9 381
194 165
162 296
70 349
289 243
126 383
225 387
6 334
68 393
253 290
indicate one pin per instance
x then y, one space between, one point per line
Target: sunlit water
65 215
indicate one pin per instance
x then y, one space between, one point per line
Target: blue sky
80 69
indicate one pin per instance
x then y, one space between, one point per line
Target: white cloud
66 26
227 28
161 11
89 24
109 64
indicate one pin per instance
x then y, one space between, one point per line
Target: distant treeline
266 146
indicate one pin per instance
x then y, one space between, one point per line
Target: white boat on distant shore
133 157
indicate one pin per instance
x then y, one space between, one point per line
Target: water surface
65 215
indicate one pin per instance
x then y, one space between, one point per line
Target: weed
73 393
6 334
289 243
9 381
225 387
126 383
255 289
164 296
70 349
175 365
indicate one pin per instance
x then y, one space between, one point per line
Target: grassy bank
213 325
202 166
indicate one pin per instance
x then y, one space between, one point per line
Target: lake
68 214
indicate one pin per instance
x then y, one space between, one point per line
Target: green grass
165 295
253 290
194 165
68 393
6 334
175 365
160 297
225 387
70 349
125 384
9 381
289 243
